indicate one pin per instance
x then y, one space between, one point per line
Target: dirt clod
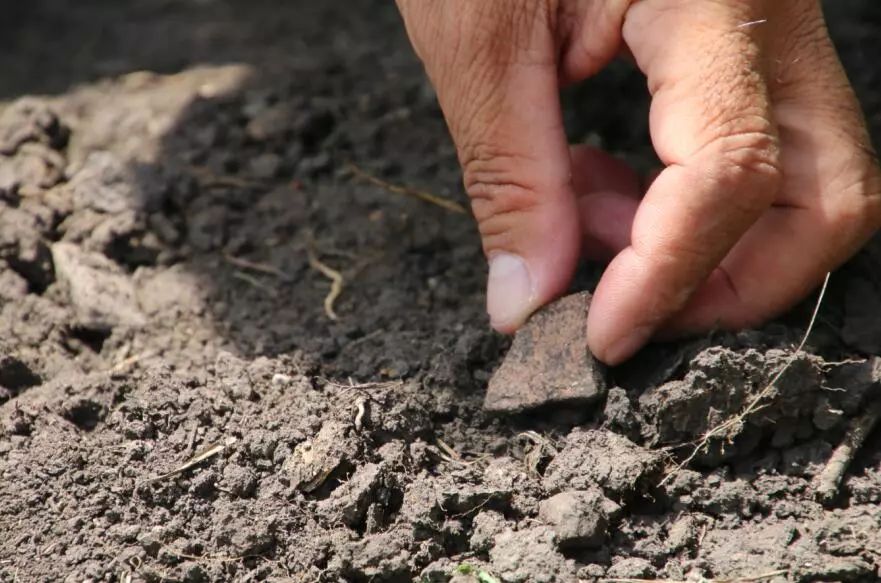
549 362
578 517
530 556
601 458
315 460
101 294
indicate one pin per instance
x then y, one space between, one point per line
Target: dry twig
827 483
725 428
422 195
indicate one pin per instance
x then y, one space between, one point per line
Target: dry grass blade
200 457
452 453
352 386
422 195
336 282
755 404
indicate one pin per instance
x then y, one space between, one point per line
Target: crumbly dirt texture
177 404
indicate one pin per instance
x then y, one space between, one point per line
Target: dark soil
159 201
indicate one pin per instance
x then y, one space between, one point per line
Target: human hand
769 181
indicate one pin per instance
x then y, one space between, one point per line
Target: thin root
352 386
756 403
336 282
209 179
428 197
254 282
258 267
829 480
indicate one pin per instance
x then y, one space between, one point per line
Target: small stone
578 517
549 362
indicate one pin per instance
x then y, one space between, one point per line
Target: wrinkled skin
769 178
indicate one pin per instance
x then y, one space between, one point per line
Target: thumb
494 68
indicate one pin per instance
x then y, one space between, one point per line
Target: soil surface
176 403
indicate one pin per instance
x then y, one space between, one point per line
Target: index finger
712 126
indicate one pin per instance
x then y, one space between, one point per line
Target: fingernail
627 345
510 292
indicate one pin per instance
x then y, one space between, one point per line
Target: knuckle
494 181
753 155
749 164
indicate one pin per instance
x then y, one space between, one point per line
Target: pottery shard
549 362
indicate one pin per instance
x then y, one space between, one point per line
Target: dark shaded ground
136 332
